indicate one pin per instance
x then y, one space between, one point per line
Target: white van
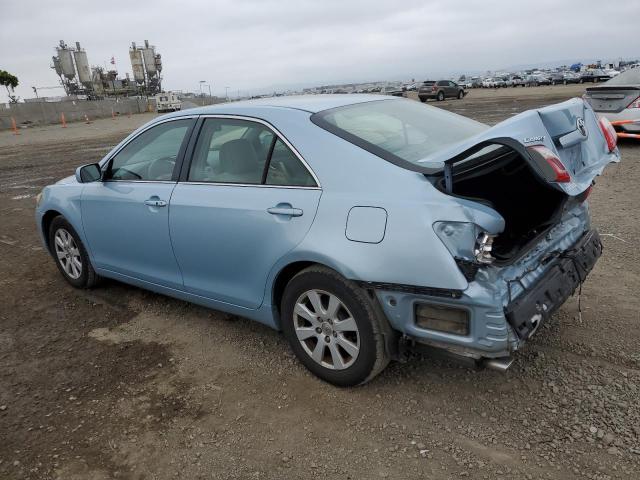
167 102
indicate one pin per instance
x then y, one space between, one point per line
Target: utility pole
201 95
226 93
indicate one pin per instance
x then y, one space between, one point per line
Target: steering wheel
161 168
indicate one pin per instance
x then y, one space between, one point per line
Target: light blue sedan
361 226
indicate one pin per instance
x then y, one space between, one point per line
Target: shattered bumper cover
567 271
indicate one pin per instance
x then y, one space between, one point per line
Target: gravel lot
122 383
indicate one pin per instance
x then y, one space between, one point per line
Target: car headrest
238 156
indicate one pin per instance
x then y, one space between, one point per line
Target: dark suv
440 90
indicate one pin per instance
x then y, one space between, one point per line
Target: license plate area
527 312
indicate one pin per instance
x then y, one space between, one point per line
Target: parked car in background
618 100
516 81
410 87
570 77
475 82
488 82
611 72
439 90
393 90
448 238
594 75
536 80
557 78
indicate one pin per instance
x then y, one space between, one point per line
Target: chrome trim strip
139 181
278 134
258 185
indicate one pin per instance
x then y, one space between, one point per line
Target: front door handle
288 211
155 202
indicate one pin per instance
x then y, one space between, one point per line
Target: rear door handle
289 211
155 202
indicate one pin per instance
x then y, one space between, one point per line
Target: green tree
10 82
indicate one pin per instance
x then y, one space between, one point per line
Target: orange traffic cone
14 127
62 119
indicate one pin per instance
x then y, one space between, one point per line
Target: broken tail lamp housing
442 318
483 247
609 133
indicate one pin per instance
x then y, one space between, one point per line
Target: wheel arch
289 270
47 218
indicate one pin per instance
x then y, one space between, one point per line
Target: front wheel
460 95
333 327
70 255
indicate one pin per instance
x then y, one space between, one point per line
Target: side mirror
88 173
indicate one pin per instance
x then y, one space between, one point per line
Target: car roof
308 103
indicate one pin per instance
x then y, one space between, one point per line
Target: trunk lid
611 99
569 129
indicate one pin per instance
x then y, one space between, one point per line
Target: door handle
289 211
155 202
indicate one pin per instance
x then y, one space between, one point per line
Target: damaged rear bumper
533 307
501 316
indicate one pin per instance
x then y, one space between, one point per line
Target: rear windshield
398 130
628 77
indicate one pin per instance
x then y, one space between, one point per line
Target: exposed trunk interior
504 181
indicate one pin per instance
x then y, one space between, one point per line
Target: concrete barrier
46 113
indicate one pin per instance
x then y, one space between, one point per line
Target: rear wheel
70 255
334 327
422 99
440 96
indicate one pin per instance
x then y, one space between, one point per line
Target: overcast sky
256 44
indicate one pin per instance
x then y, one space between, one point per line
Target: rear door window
235 151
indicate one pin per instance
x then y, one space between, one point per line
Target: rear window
399 131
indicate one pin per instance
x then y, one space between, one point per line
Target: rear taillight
609 133
560 172
584 195
635 103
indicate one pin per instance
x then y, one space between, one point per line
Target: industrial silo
82 64
66 61
56 65
137 66
149 54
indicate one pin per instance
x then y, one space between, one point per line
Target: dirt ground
121 383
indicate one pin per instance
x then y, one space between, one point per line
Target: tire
367 331
581 81
596 80
422 99
440 96
565 82
460 95
65 246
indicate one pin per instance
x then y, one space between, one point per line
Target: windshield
628 77
398 130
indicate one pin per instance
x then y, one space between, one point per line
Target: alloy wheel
326 329
68 253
